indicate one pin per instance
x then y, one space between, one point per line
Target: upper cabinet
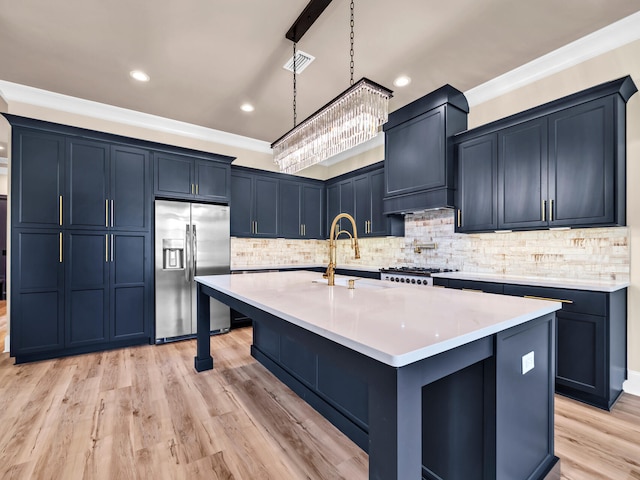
268 204
38 165
360 194
191 178
419 171
300 207
561 164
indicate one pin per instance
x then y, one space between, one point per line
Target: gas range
411 275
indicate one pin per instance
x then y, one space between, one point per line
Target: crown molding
601 41
14 92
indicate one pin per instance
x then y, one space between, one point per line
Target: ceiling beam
308 16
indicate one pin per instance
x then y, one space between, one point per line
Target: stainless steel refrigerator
191 239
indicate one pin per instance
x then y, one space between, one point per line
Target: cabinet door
175 176
347 204
289 204
131 285
333 204
477 192
37 178
37 291
87 184
212 180
581 344
379 222
130 196
362 201
522 176
415 153
312 211
240 206
266 207
581 164
86 288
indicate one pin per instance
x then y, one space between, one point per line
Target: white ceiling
207 57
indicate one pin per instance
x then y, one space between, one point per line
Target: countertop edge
535 281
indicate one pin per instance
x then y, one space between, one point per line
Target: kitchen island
432 383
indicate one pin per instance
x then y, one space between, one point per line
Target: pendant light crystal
352 118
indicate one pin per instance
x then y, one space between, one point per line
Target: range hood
419 156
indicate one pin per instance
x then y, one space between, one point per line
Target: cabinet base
202 364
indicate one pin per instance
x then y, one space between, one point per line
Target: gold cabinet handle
551 212
112 247
112 210
548 299
256 227
192 189
459 217
60 246
544 210
197 188
60 210
106 248
106 213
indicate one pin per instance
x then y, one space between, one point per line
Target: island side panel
524 400
203 360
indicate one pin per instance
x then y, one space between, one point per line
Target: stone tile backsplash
586 253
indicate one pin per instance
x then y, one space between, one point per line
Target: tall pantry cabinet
81 251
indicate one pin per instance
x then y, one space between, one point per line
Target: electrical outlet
528 362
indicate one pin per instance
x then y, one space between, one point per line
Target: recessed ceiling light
402 81
247 107
139 75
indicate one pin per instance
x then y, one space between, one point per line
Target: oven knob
419 282
402 280
413 280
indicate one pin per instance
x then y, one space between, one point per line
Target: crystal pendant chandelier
353 117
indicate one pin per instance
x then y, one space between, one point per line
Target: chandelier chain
351 65
295 87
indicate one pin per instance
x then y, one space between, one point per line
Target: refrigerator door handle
187 253
194 255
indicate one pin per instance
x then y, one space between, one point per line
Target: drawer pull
548 299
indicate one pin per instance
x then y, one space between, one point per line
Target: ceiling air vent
303 60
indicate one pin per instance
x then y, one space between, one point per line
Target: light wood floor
143 413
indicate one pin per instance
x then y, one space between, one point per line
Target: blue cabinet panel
130 252
129 313
130 189
37 178
38 326
212 181
37 291
87 173
174 175
86 288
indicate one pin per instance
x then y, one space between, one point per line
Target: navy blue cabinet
86 262
360 194
522 176
419 160
185 177
81 276
130 274
562 164
254 204
37 176
300 209
37 291
477 194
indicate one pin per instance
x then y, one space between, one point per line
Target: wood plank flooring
143 412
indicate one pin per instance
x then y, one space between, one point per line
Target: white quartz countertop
592 285
395 324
